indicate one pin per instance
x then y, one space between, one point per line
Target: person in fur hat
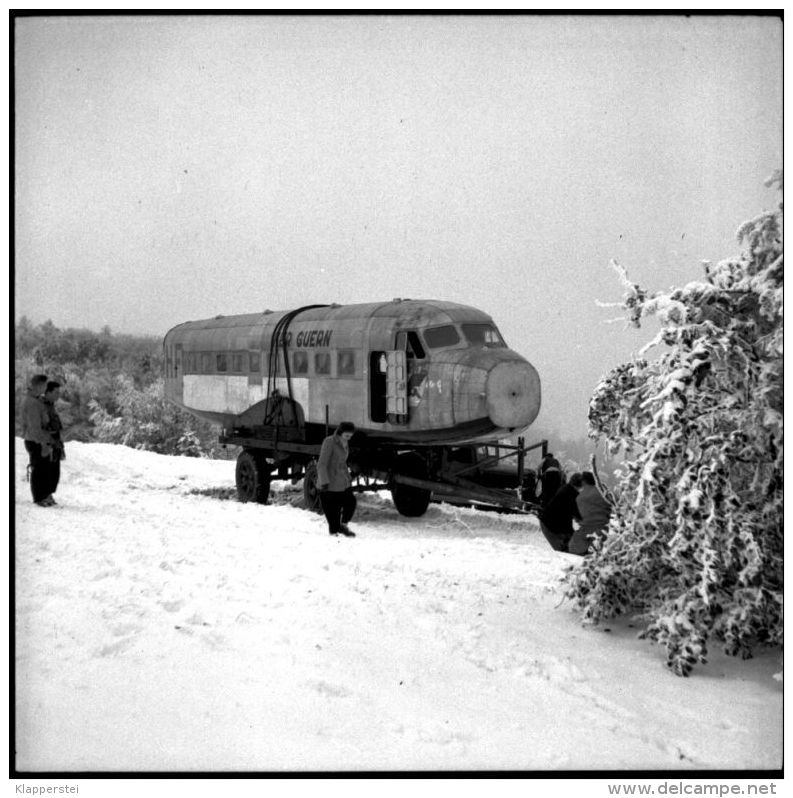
335 484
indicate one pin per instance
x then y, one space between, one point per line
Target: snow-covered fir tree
695 542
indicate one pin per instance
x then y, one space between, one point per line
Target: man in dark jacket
38 440
551 477
556 518
335 484
54 426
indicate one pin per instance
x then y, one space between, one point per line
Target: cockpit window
483 335
439 337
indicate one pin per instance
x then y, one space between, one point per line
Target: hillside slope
163 626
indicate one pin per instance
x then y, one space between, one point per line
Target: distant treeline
112 389
139 356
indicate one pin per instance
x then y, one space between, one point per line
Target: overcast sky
175 168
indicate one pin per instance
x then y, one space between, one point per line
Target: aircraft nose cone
513 394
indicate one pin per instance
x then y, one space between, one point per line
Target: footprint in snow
172 606
119 647
332 690
123 629
215 641
107 573
440 735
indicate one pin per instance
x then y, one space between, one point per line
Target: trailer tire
410 501
311 499
252 477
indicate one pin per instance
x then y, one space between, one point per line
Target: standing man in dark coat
335 484
551 476
54 426
38 440
556 518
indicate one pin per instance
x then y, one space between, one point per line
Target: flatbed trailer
415 475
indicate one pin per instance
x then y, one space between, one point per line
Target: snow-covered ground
163 626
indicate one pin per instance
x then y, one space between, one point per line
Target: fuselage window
300 362
189 363
346 363
205 363
221 362
483 335
236 363
439 337
322 362
255 361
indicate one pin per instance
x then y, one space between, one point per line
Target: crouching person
595 512
335 484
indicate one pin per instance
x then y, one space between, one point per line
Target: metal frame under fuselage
376 467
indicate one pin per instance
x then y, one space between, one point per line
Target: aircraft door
396 386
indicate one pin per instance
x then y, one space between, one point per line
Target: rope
279 336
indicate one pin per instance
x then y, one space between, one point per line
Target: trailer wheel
253 478
409 501
311 489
